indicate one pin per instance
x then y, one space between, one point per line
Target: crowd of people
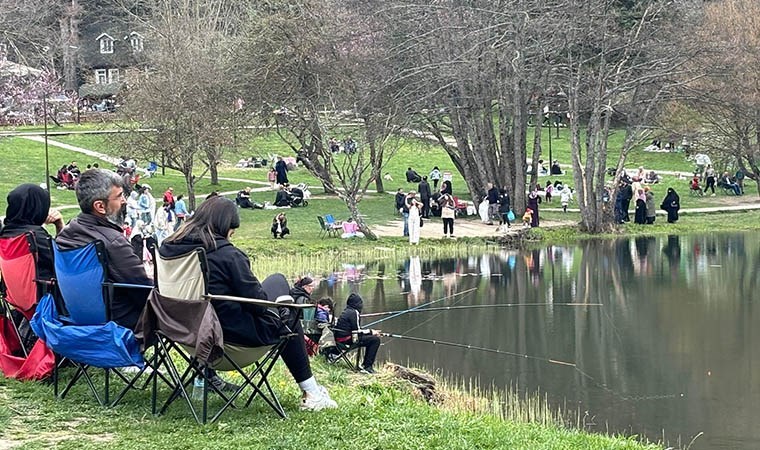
102 197
633 190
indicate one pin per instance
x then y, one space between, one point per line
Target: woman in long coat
671 204
533 201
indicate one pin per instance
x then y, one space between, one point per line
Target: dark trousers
295 357
448 224
426 207
710 184
371 345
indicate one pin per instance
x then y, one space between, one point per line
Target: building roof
122 55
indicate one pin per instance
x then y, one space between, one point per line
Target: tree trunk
190 185
353 207
213 169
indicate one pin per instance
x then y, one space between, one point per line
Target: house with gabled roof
109 52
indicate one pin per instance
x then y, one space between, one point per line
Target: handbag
510 215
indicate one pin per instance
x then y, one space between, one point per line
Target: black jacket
282 198
424 189
229 273
493 196
28 207
504 203
400 201
300 295
123 265
349 320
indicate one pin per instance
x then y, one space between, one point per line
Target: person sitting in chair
214 222
280 226
727 183
100 194
349 324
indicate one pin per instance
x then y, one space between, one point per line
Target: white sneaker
317 402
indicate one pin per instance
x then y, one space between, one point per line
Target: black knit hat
305 281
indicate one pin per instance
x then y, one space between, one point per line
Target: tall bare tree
723 100
620 63
188 99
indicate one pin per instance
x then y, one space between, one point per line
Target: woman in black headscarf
28 210
671 204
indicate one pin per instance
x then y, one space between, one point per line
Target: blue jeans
406 223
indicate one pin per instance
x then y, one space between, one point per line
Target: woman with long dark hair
229 273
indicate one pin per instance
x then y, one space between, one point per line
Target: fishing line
475 347
399 313
503 305
574 366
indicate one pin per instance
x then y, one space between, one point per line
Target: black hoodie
229 273
349 320
28 207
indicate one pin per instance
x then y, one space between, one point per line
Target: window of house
101 76
113 76
106 43
136 41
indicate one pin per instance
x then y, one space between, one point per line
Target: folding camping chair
87 336
326 230
181 319
345 346
20 290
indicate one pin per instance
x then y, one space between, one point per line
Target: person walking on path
493 202
424 189
504 208
671 203
282 171
435 176
533 200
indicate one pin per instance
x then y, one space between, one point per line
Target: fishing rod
475 347
503 305
396 314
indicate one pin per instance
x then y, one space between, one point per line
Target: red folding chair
20 291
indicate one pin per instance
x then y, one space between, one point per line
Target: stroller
297 198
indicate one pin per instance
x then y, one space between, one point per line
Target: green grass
378 412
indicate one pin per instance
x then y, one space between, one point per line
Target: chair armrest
129 286
259 302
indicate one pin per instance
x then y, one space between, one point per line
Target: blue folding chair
86 336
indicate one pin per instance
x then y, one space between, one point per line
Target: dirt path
433 228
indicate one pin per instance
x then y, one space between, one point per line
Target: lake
650 336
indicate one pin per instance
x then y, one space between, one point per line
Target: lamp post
47 155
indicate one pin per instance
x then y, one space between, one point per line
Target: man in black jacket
424 189
493 202
100 194
349 324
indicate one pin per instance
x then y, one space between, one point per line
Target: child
325 311
527 218
272 178
695 185
549 190
565 196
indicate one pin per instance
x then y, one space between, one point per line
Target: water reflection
672 348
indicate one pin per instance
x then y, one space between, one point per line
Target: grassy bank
375 412
379 412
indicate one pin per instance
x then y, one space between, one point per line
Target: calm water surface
673 350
